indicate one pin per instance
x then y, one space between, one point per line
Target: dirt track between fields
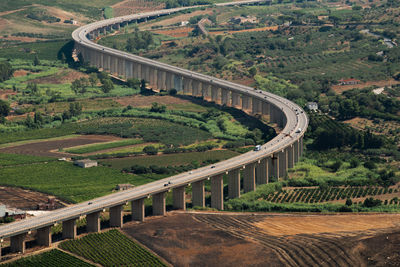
210 239
46 148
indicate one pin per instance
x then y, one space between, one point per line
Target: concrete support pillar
205 91
246 105
159 204
69 229
195 88
18 243
161 77
234 183
178 83
138 210
283 163
235 100
296 151
265 108
217 192
93 222
179 200
43 236
198 194
225 97
249 179
187 86
262 172
275 166
116 216
169 81
290 156
301 146
215 94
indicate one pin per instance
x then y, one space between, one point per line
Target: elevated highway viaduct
257 167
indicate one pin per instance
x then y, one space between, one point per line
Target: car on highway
257 148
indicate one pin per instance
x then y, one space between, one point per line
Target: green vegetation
111 249
170 159
108 12
97 147
50 258
69 182
16 159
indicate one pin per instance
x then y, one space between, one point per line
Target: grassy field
97 147
15 159
50 258
111 249
69 182
44 50
170 159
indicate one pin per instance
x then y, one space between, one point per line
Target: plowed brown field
215 239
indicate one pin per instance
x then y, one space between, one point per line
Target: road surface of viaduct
273 160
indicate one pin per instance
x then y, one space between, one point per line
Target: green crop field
16 159
71 183
111 249
44 50
171 159
103 146
50 258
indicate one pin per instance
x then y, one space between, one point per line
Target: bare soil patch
145 101
64 76
20 73
271 28
177 32
237 239
24 199
44 148
342 88
4 94
128 7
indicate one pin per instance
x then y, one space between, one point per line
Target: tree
253 71
6 71
93 79
133 83
155 107
150 150
36 61
143 86
107 85
75 109
4 108
349 202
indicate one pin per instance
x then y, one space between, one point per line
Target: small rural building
349 81
85 163
184 23
51 204
312 106
122 187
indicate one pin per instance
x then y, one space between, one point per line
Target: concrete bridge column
169 79
225 97
178 83
265 108
275 166
106 61
262 172
159 204
69 229
179 200
290 153
139 71
283 163
301 146
137 207
114 65
93 222
217 192
195 86
128 69
135 70
234 183
296 151
152 77
205 91
249 179
18 243
116 216
246 103
235 99
214 94
160 80
145 72
43 236
187 86
198 194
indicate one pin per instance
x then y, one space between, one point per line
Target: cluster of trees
6 71
177 3
80 86
75 109
139 40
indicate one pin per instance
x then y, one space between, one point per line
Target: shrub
371 202
150 150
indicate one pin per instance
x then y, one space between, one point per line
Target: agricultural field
111 248
50 258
